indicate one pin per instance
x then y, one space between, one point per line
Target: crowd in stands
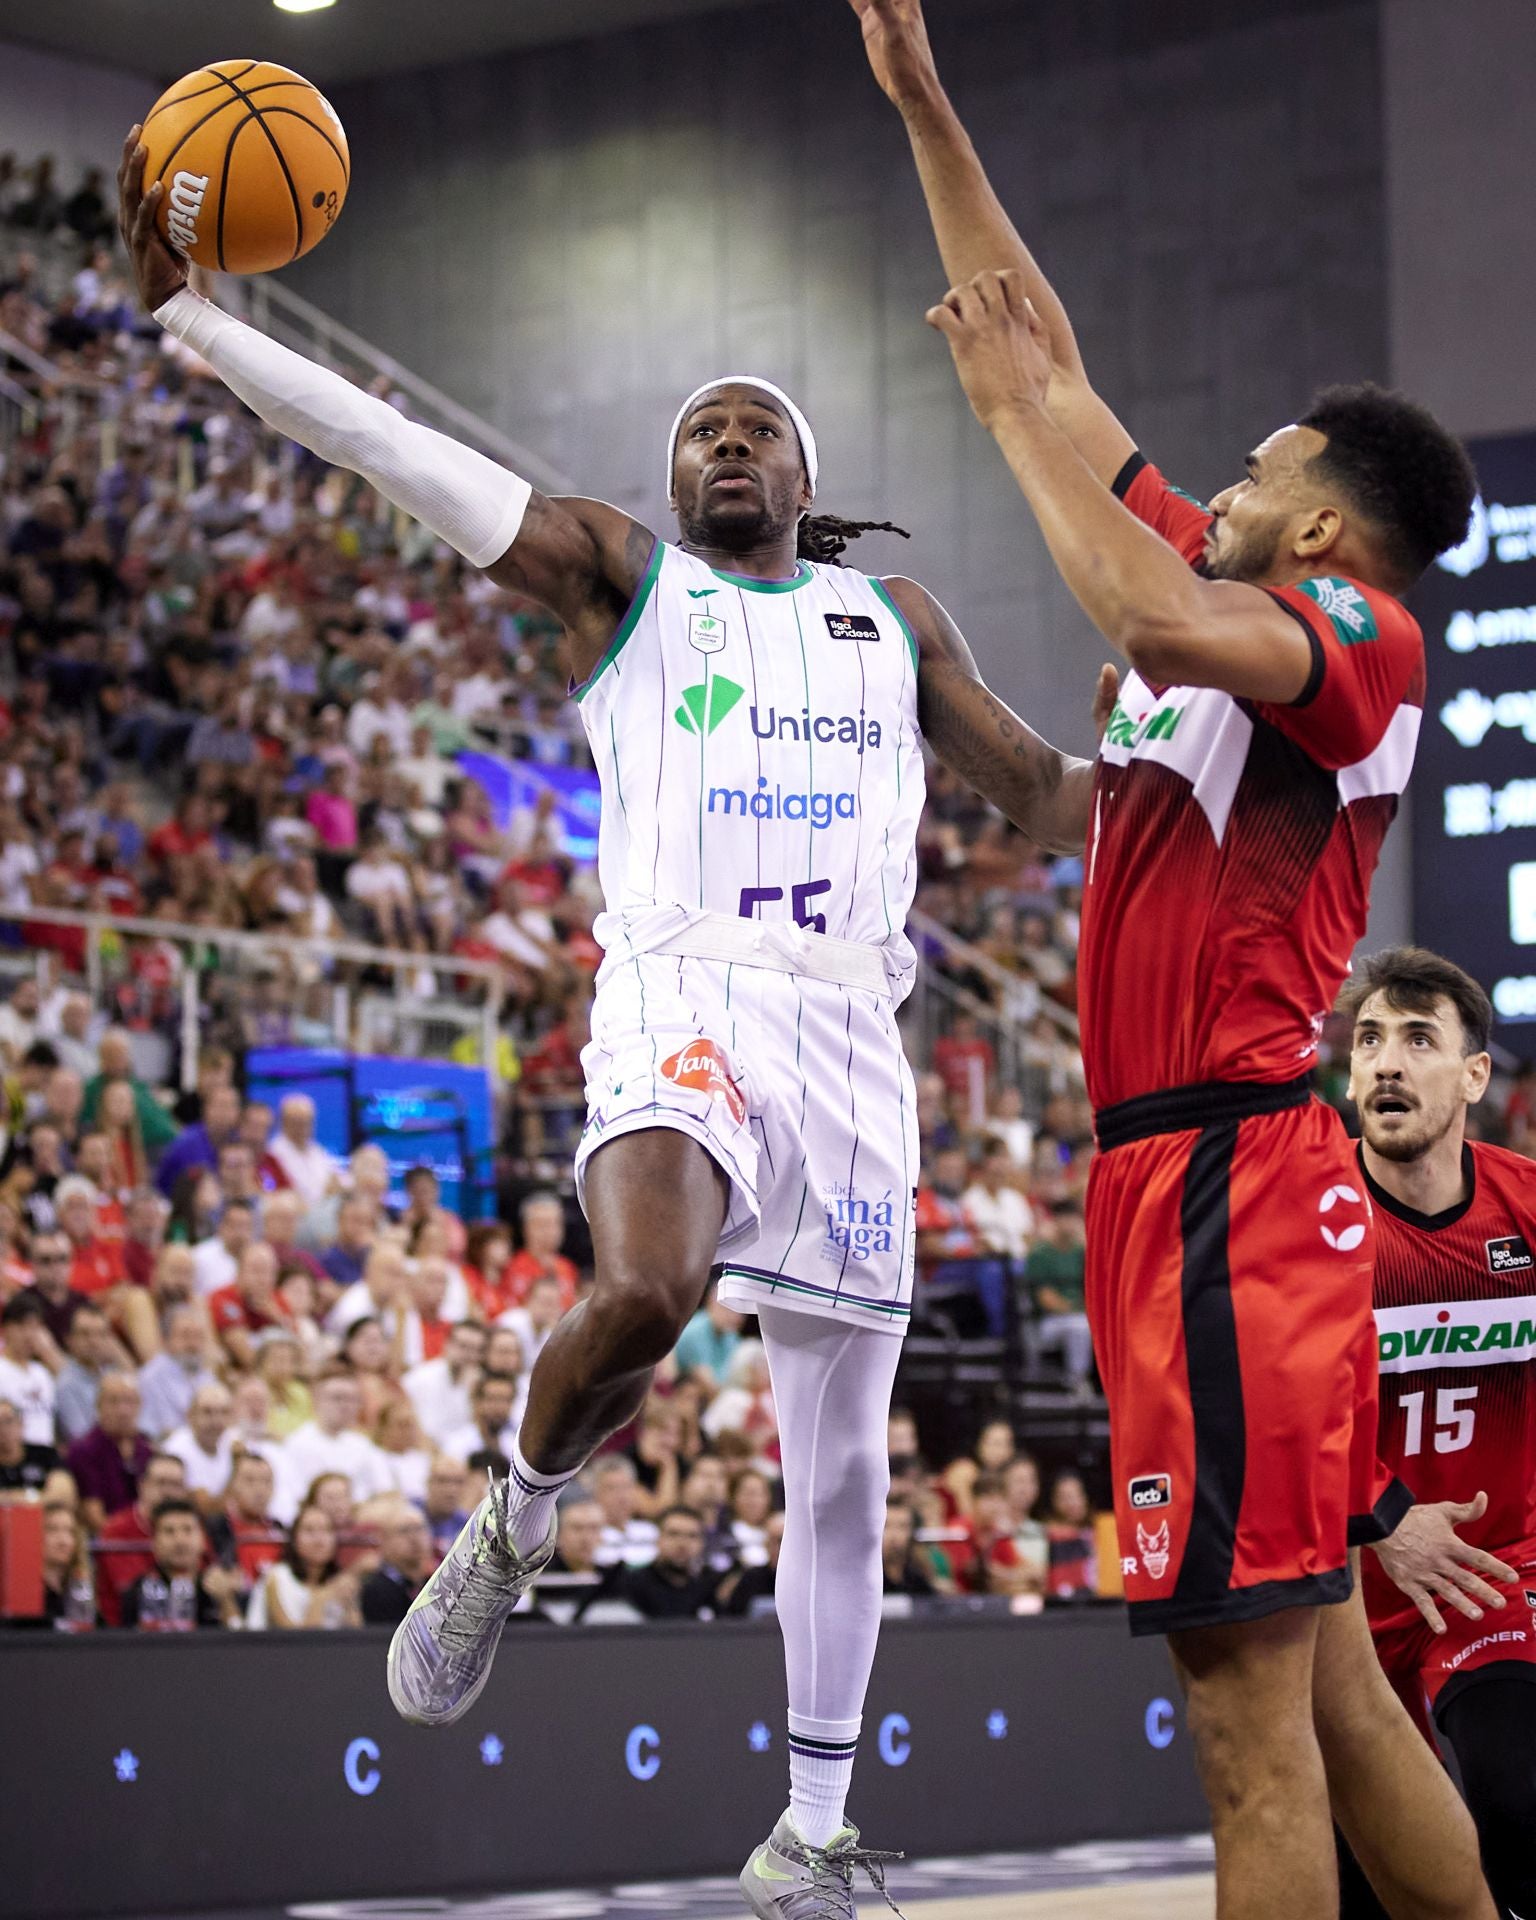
248 1385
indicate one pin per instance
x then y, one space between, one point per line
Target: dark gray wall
570 240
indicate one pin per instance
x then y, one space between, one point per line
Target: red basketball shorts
1429 1669
1229 1288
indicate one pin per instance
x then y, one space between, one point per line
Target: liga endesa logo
705 1066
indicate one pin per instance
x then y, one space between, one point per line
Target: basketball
254 162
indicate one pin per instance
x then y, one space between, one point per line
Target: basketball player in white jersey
756 719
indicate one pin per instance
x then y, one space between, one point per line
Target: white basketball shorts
800 1090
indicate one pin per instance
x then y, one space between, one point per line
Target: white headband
802 426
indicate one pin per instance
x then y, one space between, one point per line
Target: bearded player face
1254 534
738 478
1410 1075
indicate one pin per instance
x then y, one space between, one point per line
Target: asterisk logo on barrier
759 1739
491 1751
997 1725
126 1765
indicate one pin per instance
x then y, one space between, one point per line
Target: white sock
820 1769
531 1502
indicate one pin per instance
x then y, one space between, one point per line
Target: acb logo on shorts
1151 1490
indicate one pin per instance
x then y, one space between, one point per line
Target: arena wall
570 239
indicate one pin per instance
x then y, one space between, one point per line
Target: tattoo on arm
1042 791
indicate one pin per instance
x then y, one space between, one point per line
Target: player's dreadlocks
823 536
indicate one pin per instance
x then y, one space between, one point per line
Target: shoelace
843 1859
484 1588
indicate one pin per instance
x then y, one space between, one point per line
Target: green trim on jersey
628 624
879 587
804 574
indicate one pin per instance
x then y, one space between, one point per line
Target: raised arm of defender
969 223
580 558
1043 791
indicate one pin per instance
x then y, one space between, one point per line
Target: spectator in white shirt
216 1260
78 1034
627 1540
380 1295
425 769
997 1209
536 1319
403 1460
520 932
310 1169
330 1443
491 1425
205 1445
440 1389
378 881
19 867
381 710
24 1380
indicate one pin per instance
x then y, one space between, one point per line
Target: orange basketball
254 162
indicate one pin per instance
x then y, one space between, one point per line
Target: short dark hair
489 1460
21 1306
1412 979
492 1378
176 1504
1400 468
987 1483
680 1512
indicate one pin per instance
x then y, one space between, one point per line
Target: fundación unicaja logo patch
706 705
1347 608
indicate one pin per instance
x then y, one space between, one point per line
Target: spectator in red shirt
144 1224
991 1560
108 1462
242 1533
99 1266
543 1222
964 1060
281 1213
123 1550
486 1254
188 831
248 1307
944 1229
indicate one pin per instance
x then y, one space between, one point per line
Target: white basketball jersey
758 749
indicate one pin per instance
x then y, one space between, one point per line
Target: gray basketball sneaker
440 1657
788 1879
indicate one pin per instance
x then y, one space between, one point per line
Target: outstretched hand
1001 348
896 41
1430 1561
157 270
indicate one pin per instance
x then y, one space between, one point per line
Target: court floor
1168 1879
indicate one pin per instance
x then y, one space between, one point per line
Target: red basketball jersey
1455 1298
1232 842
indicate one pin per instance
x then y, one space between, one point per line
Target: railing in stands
283 314
358 1019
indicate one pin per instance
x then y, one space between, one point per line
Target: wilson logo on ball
1343 1239
185 203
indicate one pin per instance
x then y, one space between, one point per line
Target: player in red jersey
1244 784
1455 1293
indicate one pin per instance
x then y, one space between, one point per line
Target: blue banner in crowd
421 1112
514 785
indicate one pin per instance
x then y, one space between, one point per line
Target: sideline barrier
222 1771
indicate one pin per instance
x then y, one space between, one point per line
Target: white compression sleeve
466 499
